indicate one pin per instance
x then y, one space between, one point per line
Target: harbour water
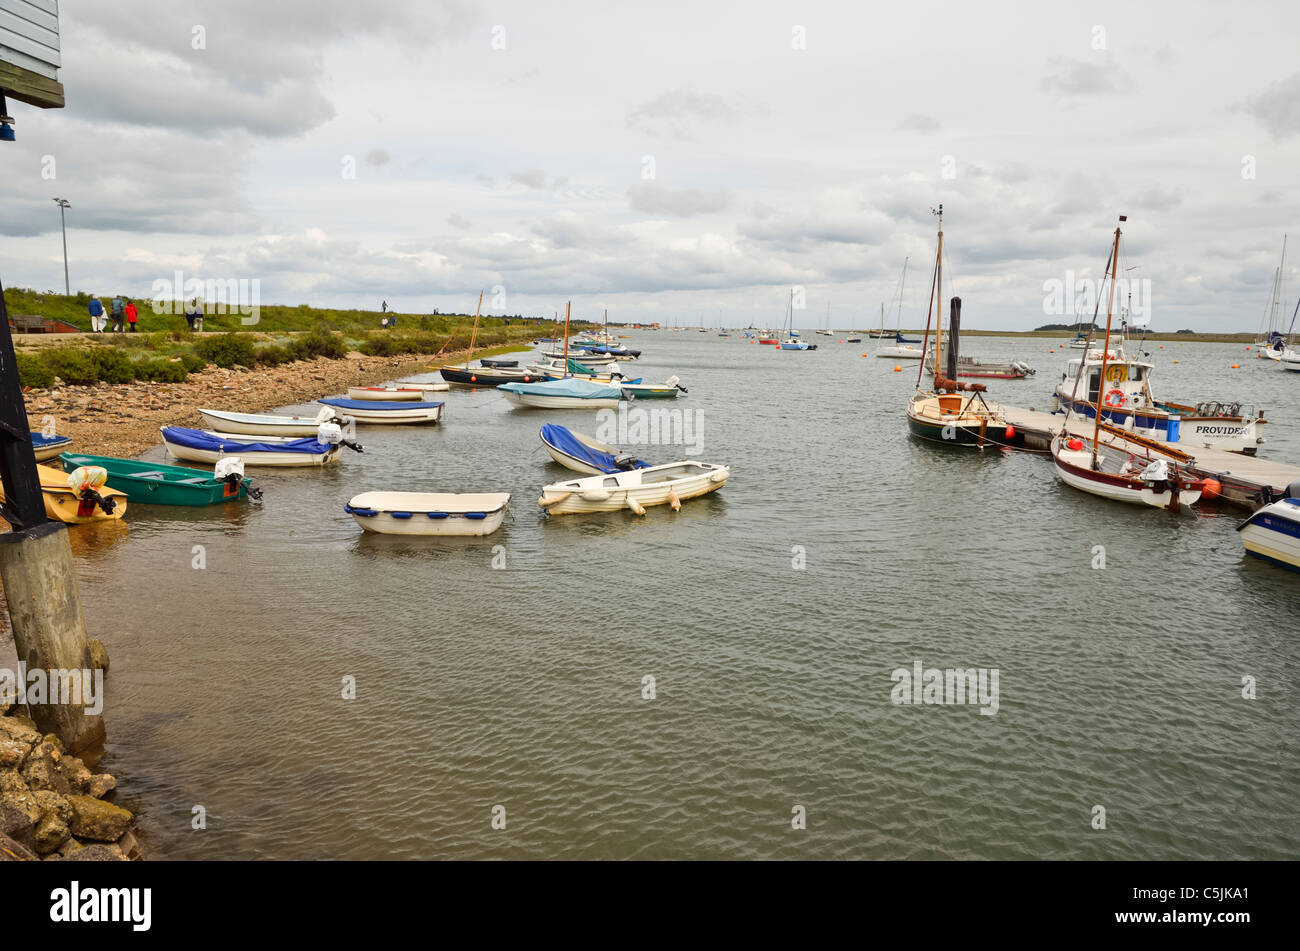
522 686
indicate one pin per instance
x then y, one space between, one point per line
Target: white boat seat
194 481
155 474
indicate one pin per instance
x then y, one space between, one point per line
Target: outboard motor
230 470
625 461
673 381
331 434
86 481
1157 470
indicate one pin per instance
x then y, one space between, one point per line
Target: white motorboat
569 393
1273 533
635 489
387 413
429 513
259 424
1290 360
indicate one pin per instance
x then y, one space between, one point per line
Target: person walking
96 315
119 321
132 315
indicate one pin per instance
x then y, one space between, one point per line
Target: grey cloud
378 158
1277 108
457 221
676 113
1072 78
532 177
653 198
916 122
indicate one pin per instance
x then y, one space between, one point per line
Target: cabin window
1094 385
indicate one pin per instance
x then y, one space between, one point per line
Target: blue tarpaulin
42 441
578 389
563 440
198 439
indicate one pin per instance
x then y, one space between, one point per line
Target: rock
21 729
15 823
51 832
98 654
95 819
100 785
41 769
96 853
130 846
12 753
70 846
10 781
11 851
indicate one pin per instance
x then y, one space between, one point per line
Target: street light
63 203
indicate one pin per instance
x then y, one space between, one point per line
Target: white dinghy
260 424
637 489
197 445
388 412
388 394
429 513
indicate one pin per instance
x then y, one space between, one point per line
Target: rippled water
522 687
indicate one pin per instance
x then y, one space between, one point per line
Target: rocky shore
123 419
52 806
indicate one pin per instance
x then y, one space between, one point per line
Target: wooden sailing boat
1116 463
483 375
952 413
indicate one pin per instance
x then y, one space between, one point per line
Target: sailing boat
1271 344
1124 466
902 348
483 374
944 414
793 343
569 392
827 331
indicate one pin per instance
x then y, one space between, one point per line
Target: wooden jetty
1247 481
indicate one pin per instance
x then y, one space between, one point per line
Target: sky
674 162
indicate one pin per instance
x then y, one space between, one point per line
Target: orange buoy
1175 361
1011 431
864 354
898 369
1211 488
473 378
1235 367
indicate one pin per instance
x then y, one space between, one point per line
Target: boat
638 390
1290 360
902 348
1270 343
952 413
429 513
1126 400
391 413
489 373
78 497
770 341
559 369
385 393
585 453
46 448
1272 534
971 368
1125 466
567 393
591 359
792 341
153 483
258 424
634 489
195 445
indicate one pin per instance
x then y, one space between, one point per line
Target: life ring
1115 397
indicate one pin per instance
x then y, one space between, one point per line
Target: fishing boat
78 497
393 413
385 393
634 489
46 448
1124 466
1127 400
195 445
1271 343
972 368
259 424
585 453
567 393
153 483
952 413
429 513
1273 533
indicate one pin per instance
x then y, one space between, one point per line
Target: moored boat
154 483
385 393
47 447
971 368
569 393
585 453
634 489
78 497
196 445
429 513
387 413
260 424
1272 534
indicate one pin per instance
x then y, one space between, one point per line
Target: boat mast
1105 353
938 315
1277 295
898 326
474 334
567 304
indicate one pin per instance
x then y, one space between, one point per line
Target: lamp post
63 203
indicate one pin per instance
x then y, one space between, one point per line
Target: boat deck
1242 477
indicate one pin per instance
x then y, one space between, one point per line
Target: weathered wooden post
954 337
36 567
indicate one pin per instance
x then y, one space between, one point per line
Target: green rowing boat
152 483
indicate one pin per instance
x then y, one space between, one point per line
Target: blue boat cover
198 439
563 440
375 404
578 389
42 441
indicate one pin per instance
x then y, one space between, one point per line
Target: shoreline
122 419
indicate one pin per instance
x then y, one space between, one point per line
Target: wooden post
954 332
36 566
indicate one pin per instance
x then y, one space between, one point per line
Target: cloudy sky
671 161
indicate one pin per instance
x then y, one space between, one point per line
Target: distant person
132 315
383 322
119 320
194 315
97 320
392 321
383 307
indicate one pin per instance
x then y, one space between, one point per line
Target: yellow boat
90 501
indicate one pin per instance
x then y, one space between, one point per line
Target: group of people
124 314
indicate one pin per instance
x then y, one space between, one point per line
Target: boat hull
394 413
1229 433
900 353
1273 534
385 394
486 376
1073 467
537 401
156 484
927 420
614 491
252 424
278 459
47 449
428 514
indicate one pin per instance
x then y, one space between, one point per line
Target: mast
1105 353
938 297
567 304
898 327
474 334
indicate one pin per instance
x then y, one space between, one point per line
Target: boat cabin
1131 377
